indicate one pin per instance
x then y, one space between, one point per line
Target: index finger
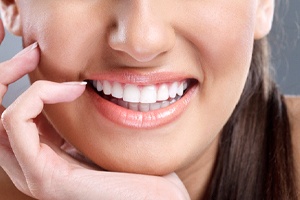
18 118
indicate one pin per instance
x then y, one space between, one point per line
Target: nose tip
143 40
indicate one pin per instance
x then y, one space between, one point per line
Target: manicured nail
75 83
27 49
34 45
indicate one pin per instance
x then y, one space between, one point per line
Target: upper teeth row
141 94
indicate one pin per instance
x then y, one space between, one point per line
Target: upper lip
139 78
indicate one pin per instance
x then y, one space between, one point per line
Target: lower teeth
141 107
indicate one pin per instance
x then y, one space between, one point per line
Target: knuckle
39 87
40 84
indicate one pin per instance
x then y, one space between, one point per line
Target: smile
137 101
141 98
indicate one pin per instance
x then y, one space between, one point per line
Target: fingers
23 63
2 32
18 118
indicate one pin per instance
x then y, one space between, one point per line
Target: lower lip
144 120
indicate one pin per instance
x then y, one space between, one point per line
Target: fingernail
75 83
27 49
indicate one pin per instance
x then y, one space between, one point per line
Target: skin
164 38
293 104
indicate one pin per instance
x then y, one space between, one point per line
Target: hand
31 153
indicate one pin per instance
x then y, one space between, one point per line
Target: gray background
285 42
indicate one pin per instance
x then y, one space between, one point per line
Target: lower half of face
206 51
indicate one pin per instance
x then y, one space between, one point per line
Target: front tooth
131 93
173 89
162 93
106 88
148 94
117 90
99 86
180 90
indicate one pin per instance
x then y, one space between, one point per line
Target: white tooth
180 90
131 93
185 85
173 101
144 107
133 106
122 103
165 104
173 89
162 93
106 88
155 106
99 86
117 90
148 94
95 84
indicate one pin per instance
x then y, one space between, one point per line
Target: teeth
133 106
99 86
149 94
123 103
95 84
173 90
155 106
185 85
143 107
180 90
117 90
163 92
106 88
131 93
165 104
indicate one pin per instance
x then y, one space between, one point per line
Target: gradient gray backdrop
285 38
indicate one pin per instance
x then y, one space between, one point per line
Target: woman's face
143 52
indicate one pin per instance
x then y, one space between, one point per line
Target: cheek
67 43
224 39
225 42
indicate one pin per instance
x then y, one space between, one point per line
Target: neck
197 175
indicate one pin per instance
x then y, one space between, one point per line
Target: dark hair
255 156
255 159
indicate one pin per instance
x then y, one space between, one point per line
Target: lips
141 105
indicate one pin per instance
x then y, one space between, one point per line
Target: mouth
141 98
141 104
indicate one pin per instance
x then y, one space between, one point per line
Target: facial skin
210 41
